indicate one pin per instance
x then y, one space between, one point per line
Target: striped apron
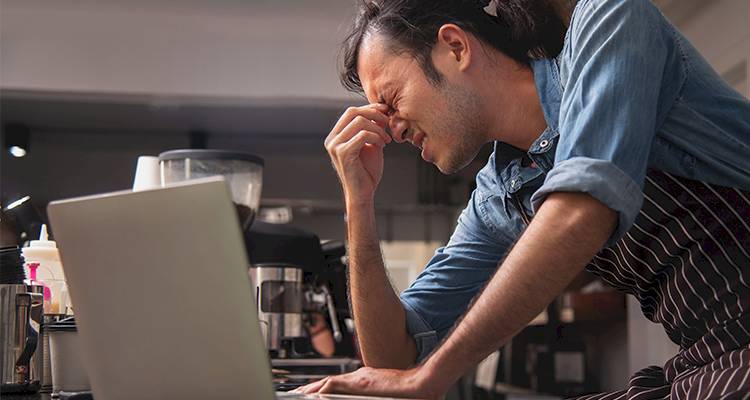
686 260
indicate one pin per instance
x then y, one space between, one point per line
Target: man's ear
455 41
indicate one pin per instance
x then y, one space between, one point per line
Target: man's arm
379 316
566 233
355 145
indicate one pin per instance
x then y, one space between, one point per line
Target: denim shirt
628 93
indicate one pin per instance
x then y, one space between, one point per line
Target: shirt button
544 143
513 183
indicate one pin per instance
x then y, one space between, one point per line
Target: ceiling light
17 203
17 139
17 151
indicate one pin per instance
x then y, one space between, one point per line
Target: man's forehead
372 67
379 67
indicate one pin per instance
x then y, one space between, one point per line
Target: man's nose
398 128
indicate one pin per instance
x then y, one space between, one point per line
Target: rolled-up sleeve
424 336
612 67
453 277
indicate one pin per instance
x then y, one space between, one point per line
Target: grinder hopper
243 172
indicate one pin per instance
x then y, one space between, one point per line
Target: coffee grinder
285 261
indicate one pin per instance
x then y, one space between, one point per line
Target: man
635 166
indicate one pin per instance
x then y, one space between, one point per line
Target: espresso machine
289 265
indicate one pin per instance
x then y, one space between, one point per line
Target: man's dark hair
523 30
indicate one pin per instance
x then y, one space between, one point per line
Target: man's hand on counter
412 383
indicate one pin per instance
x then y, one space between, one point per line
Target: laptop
162 296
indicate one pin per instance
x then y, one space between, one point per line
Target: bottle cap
43 239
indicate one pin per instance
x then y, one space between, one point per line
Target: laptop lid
163 300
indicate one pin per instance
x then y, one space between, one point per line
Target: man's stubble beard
464 124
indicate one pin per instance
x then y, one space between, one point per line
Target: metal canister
21 314
280 298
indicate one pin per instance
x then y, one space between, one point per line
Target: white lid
43 240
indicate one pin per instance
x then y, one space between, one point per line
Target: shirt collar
549 88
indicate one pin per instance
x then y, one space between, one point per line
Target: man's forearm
379 316
566 233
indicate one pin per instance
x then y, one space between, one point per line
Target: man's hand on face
355 145
410 384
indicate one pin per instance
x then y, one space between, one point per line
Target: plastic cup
147 173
